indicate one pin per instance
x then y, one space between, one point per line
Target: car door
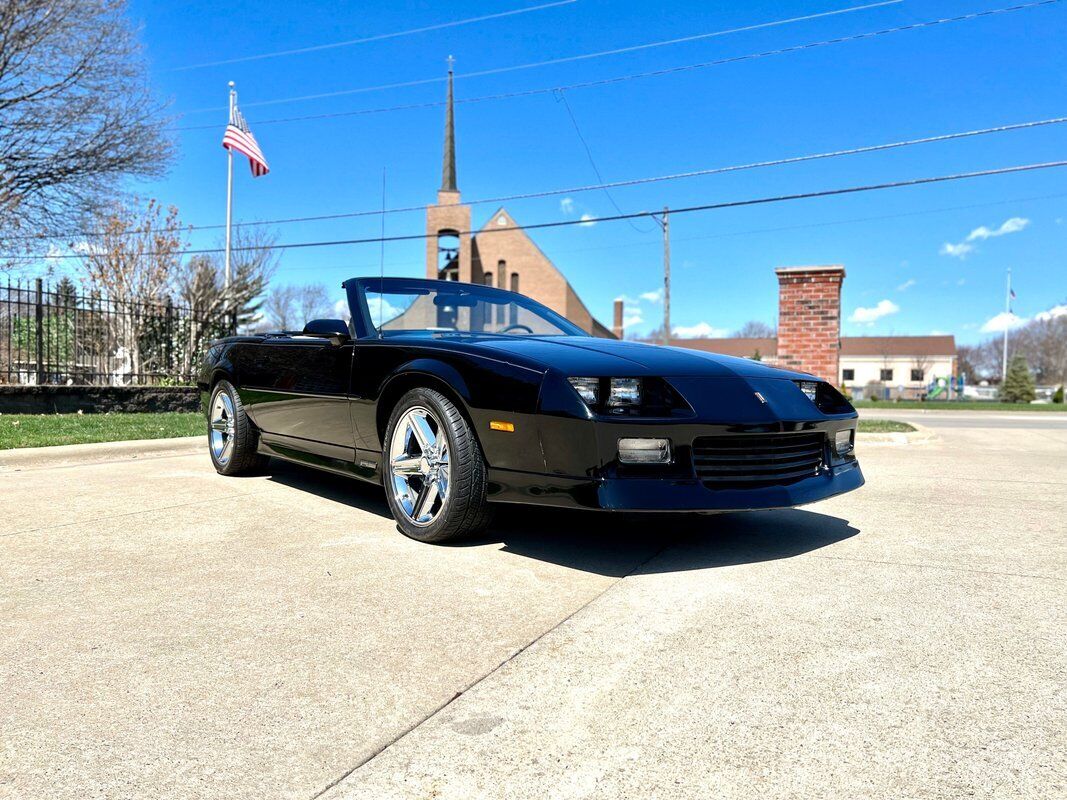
296 390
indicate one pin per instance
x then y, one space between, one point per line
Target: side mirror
333 329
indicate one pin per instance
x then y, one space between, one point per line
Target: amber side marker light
496 425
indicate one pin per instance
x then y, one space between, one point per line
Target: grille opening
750 461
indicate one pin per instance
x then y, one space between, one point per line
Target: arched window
448 255
487 279
514 308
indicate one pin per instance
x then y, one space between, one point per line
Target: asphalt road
168 633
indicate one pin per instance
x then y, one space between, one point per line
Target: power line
945 137
631 215
561 60
592 161
377 38
604 81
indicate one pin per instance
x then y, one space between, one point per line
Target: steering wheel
516 326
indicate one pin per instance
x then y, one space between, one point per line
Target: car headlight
623 394
587 388
809 388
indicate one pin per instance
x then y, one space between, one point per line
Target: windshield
396 305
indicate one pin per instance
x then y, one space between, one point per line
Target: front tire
433 469
232 440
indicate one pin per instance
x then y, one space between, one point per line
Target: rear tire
433 470
232 439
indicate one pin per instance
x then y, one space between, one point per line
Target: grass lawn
963 405
42 430
884 426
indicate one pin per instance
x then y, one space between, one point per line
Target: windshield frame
357 290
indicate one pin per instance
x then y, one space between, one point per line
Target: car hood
589 356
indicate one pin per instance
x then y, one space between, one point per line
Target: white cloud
702 330
566 205
961 281
381 310
340 310
630 301
870 315
1013 225
980 234
956 250
936 332
653 297
1052 313
1004 321
634 318
906 285
587 220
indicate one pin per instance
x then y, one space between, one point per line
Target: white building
902 366
869 366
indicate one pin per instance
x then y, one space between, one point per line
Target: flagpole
1007 324
229 192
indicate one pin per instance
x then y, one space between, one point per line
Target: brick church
498 254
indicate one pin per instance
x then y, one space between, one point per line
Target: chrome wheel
419 466
222 427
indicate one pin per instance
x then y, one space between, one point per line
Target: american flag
238 137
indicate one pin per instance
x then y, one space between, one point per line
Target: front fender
485 389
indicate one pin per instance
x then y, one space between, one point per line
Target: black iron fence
53 335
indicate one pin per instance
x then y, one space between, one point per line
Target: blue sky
901 277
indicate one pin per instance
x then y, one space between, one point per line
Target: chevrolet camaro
456 397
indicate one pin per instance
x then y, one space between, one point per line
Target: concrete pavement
1032 420
165 632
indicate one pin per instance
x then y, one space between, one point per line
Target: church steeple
448 172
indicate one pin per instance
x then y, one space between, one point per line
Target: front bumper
666 494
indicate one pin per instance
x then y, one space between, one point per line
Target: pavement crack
437 710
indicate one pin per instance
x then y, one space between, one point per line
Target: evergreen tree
1018 386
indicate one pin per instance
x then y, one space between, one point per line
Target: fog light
843 442
645 451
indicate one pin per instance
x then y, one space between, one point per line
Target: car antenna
381 262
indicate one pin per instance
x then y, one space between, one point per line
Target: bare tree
278 309
290 307
921 364
131 263
755 329
76 115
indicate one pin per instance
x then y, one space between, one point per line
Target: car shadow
621 544
615 544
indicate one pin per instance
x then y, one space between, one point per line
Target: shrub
1018 386
1057 397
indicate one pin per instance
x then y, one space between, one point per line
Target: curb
97 453
920 435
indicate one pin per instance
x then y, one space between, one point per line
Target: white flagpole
229 191
1007 323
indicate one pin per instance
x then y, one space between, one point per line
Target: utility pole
666 276
1007 324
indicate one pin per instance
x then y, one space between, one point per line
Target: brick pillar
617 327
809 319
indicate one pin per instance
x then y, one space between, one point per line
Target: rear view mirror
335 330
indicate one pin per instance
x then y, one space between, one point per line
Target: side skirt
345 461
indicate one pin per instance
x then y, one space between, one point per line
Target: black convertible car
455 396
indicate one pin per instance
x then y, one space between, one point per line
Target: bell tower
448 223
